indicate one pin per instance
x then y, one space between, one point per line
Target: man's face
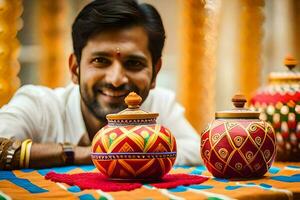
114 63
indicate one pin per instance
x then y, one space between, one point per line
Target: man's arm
40 155
31 115
50 155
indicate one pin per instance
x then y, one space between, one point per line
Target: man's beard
97 109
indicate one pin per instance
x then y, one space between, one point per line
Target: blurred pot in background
279 103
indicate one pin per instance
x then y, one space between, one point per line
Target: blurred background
213 49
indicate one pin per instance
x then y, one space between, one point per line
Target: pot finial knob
239 100
133 100
290 62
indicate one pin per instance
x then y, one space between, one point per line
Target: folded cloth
98 181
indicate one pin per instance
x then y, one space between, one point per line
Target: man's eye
100 60
134 64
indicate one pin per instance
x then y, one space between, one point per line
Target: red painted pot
132 145
237 144
279 103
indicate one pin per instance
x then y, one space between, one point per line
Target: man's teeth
114 93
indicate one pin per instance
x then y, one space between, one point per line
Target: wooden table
281 182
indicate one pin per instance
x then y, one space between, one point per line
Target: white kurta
47 115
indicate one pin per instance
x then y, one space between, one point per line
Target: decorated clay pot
279 103
237 144
132 145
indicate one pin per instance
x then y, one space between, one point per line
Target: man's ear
156 70
74 68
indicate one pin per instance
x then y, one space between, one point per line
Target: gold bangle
23 152
27 154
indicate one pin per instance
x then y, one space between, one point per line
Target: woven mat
98 181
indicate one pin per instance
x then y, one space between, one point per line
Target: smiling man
112 64
117 49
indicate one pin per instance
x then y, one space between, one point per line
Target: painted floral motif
223 153
238 140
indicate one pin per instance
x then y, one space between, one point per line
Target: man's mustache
125 87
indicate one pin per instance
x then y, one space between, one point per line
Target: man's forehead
130 33
129 41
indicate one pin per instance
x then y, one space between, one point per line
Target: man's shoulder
39 90
43 94
34 89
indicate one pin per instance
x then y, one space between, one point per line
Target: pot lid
239 112
289 76
133 111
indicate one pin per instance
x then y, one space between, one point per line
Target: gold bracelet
23 152
27 154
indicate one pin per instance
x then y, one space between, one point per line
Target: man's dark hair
103 15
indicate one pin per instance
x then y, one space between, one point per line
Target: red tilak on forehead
118 52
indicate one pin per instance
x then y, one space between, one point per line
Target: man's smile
114 93
111 96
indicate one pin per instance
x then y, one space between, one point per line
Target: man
117 49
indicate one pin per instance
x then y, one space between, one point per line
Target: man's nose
116 75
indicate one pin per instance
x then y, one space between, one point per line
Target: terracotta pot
237 144
132 145
279 103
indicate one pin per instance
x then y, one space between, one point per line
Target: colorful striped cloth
281 182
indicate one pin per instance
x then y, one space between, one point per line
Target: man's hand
51 155
82 155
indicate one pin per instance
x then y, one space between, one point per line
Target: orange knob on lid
239 100
290 62
133 100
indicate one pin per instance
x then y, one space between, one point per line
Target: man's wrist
68 153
